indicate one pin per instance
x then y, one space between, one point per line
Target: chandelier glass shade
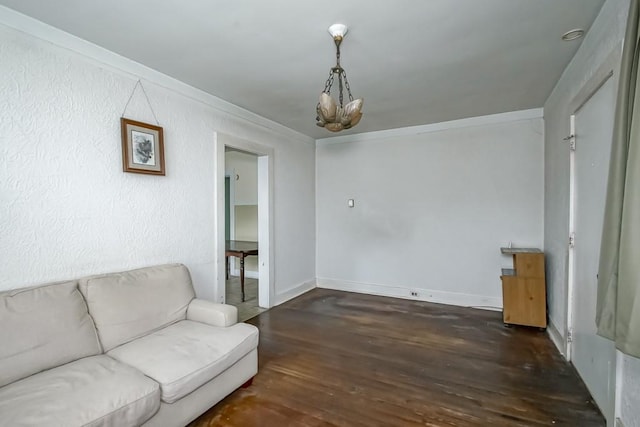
332 115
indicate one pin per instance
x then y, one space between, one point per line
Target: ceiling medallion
331 115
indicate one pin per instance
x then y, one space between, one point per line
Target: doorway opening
244 223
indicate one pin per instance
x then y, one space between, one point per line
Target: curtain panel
618 303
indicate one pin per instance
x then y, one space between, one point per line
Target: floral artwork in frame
142 147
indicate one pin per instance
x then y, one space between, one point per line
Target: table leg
242 275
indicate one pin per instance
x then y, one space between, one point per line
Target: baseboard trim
557 339
440 297
294 292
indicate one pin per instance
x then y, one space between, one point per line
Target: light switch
351 203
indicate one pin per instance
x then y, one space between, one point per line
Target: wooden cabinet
524 296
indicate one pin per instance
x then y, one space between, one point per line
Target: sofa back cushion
43 327
131 304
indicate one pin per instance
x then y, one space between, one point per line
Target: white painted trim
125 66
232 202
440 297
232 210
557 338
219 218
571 253
535 113
295 292
609 68
266 221
618 388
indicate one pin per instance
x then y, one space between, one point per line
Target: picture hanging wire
139 83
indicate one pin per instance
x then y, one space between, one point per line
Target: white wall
68 210
295 220
243 169
433 206
603 38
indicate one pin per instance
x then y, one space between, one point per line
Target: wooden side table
239 249
524 295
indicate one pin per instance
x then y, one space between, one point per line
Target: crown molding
125 66
512 116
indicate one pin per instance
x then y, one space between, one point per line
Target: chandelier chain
342 79
329 82
346 84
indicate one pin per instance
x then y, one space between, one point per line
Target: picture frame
142 147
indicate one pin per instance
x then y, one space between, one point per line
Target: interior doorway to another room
244 216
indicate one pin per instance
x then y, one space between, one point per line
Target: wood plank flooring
330 358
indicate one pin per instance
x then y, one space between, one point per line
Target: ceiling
413 61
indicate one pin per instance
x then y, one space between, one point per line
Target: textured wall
431 210
68 210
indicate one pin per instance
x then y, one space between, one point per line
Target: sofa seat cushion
94 391
187 354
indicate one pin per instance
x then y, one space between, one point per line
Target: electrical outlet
414 293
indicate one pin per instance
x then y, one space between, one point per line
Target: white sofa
122 349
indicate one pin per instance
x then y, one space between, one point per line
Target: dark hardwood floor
331 358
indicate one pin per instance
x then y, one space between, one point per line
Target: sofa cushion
128 305
187 354
94 391
43 327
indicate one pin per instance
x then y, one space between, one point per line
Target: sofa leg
248 383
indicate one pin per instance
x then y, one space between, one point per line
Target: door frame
232 211
609 69
266 258
232 206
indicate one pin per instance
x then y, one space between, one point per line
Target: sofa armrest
212 313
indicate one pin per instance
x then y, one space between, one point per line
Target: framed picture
142 147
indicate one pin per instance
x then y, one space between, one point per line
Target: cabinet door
529 265
524 301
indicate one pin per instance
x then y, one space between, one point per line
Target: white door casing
593 356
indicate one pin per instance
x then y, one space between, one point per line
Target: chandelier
332 115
